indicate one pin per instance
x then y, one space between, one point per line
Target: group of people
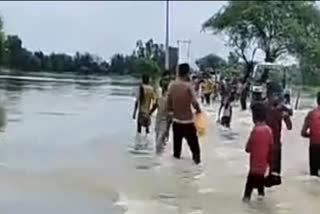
174 108
209 87
264 144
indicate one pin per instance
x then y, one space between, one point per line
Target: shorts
144 119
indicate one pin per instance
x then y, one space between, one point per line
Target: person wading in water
181 96
145 98
226 113
207 89
163 119
311 130
276 113
259 146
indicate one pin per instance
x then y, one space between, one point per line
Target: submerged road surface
67 148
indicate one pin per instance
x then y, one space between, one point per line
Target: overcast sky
105 27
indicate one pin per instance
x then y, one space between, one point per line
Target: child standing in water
311 130
163 119
226 113
144 99
259 146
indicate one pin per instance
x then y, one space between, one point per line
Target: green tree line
147 58
216 63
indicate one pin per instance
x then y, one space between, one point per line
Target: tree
150 50
148 67
117 64
211 61
147 58
41 57
233 59
310 65
270 26
13 49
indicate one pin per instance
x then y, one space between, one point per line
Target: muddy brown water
68 148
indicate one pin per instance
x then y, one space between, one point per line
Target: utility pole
188 42
167 37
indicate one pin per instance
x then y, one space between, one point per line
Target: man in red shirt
311 130
259 146
276 113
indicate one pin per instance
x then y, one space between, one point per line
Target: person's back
314 120
260 148
276 113
149 97
181 98
311 130
144 99
207 86
274 120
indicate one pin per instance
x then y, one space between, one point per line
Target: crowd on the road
178 100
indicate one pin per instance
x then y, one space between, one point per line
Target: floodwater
68 148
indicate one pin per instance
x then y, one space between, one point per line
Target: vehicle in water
269 78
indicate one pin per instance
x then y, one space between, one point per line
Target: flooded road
67 148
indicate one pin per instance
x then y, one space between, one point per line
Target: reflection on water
69 147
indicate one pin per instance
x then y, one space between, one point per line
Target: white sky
106 27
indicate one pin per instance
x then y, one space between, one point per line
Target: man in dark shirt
276 113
